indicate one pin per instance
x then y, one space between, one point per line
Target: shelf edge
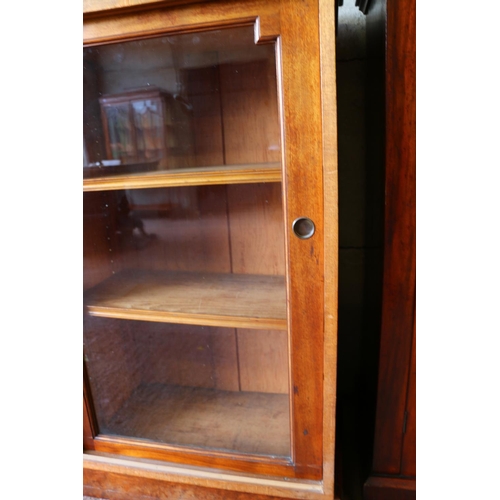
185 177
189 319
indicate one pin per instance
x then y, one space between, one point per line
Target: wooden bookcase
147 125
210 259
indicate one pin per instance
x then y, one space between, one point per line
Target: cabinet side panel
409 465
389 488
398 299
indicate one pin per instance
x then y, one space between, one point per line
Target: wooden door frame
312 154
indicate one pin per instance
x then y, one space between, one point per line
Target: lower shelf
245 422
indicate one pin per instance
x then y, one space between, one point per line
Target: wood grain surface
244 422
303 194
199 176
124 24
256 301
109 6
400 233
327 13
409 454
180 484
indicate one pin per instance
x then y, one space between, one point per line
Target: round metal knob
303 227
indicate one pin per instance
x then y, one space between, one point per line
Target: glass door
185 324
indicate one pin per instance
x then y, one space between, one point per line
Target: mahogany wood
394 444
409 454
399 257
390 488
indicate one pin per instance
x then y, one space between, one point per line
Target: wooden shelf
199 176
245 422
207 299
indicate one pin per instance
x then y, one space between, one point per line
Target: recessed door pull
303 227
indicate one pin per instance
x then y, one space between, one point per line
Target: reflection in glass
184 101
120 133
148 128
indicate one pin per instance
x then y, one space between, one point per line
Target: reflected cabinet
210 249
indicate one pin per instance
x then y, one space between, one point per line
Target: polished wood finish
409 453
399 257
110 6
242 463
394 446
329 146
234 300
158 481
198 176
308 159
265 16
302 158
390 488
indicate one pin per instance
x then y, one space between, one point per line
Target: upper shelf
199 176
207 299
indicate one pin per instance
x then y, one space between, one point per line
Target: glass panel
188 281
200 100
181 385
185 329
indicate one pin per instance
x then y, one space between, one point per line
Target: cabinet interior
185 326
